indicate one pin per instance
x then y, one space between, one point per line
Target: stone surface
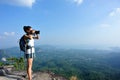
21 75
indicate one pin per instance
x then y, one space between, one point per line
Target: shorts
28 56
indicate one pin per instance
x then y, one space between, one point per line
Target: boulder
2 72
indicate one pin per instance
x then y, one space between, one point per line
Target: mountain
3 54
83 63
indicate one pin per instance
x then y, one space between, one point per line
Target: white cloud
78 2
115 12
105 25
26 3
9 33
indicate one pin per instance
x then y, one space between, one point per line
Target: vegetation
85 64
17 62
1 63
75 64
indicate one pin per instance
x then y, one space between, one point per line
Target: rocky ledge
7 74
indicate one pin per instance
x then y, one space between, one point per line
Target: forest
85 64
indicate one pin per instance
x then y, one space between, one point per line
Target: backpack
22 44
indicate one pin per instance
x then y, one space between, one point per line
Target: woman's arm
36 36
27 37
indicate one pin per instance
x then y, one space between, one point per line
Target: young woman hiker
29 48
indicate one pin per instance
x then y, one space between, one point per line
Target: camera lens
37 32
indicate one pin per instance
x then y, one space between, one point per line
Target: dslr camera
37 32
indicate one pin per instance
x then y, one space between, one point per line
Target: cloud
112 20
115 12
105 25
9 33
78 2
26 3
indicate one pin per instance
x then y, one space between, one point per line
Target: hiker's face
29 31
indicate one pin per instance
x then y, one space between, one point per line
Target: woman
29 49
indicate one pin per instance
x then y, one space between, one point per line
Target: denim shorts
28 56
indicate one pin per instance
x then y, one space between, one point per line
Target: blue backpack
22 44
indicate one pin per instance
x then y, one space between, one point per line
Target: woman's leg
29 68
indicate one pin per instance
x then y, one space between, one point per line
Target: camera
37 32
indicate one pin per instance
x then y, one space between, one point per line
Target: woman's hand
36 36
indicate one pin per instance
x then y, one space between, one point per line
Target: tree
17 62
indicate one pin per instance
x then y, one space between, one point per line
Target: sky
84 23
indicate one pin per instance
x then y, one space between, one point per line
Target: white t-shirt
30 43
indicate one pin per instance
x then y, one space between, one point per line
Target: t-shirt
31 49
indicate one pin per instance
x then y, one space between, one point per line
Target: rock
47 76
20 75
43 76
8 69
2 72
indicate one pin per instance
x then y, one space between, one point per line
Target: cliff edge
6 73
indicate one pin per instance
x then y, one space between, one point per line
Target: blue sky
89 23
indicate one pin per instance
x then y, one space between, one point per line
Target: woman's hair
25 28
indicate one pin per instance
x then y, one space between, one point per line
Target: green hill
85 64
